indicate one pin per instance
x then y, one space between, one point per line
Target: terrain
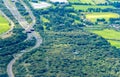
75 38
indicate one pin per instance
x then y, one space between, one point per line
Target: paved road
11 6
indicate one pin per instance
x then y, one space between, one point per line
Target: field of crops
4 25
94 16
112 36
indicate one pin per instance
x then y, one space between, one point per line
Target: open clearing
65 1
86 7
94 16
112 36
40 5
44 19
4 25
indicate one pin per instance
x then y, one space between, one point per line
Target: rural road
11 6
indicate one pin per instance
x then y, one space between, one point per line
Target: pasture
93 2
74 1
94 16
4 25
110 35
86 7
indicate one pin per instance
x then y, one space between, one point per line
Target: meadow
110 35
93 2
4 25
44 19
94 16
74 1
86 7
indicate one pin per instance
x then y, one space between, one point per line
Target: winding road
11 6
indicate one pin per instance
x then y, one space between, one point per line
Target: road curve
26 26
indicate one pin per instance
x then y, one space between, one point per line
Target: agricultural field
87 1
99 1
86 7
94 16
110 35
114 0
65 1
93 2
74 1
4 25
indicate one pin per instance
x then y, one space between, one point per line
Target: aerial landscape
59 38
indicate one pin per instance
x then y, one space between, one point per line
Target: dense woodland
67 49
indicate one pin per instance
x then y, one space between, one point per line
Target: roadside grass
4 25
86 7
94 16
110 35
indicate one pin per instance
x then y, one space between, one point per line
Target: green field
94 16
4 25
86 7
74 1
87 1
93 2
114 0
44 19
112 36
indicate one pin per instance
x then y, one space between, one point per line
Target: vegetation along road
11 6
11 24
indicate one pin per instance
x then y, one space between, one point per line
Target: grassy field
86 7
88 1
4 25
44 19
114 0
74 1
112 36
94 16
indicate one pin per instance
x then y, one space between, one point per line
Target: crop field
94 16
86 7
4 25
112 36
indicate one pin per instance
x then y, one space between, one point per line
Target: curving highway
11 6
